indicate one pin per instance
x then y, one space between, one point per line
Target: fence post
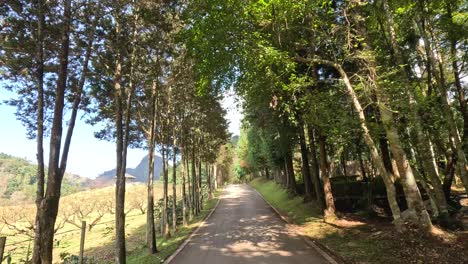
2 247
83 232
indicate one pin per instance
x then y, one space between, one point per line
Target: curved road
244 229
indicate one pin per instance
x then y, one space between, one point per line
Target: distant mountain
140 172
18 179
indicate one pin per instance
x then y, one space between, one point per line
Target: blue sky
88 156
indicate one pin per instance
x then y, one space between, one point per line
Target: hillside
18 179
140 172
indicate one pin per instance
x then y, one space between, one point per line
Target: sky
88 156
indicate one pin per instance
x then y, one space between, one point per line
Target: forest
356 109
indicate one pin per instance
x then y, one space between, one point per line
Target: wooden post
2 247
82 240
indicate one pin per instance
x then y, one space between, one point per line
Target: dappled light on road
244 229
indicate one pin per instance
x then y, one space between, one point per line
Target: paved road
244 229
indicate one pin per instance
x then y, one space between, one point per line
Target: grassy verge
168 246
359 240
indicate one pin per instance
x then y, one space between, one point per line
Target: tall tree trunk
184 195
461 95
446 109
413 196
430 193
449 175
330 211
194 185
361 163
40 130
290 173
387 160
315 168
77 97
123 99
215 176
285 180
208 173
456 74
426 152
150 227
305 164
174 182
166 231
199 187
376 158
163 209
423 144
47 213
190 191
120 181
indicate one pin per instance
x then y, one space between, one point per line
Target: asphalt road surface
244 229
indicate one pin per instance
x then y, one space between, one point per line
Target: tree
118 66
287 71
40 70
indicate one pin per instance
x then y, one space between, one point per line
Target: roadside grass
292 206
356 240
168 246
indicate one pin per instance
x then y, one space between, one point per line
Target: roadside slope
359 240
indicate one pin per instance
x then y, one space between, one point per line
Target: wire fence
68 231
19 251
100 235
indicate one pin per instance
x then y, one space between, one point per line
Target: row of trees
123 63
377 82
